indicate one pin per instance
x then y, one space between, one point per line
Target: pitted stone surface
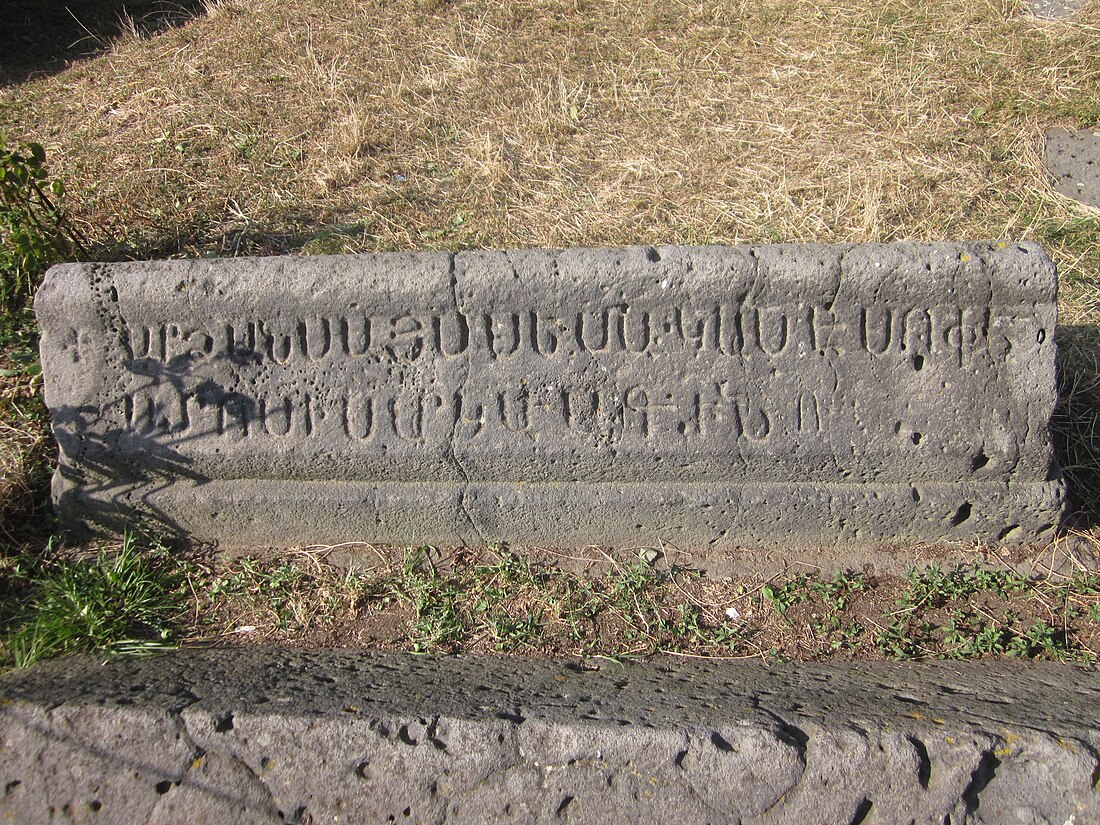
698 396
1073 160
344 736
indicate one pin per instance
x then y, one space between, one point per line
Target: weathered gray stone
1055 9
344 736
1073 160
709 396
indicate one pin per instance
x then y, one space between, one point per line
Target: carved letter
876 328
918 331
314 337
545 334
594 332
636 330
771 330
359 416
503 336
407 342
515 410
452 334
755 421
809 413
240 339
355 334
277 418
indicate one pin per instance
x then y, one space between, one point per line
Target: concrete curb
343 736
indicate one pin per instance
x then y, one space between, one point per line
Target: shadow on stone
44 37
109 469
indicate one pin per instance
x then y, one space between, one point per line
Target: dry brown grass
574 122
25 452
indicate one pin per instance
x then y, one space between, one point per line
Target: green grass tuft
121 602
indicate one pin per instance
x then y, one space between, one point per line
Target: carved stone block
700 396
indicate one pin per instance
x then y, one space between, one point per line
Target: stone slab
1055 9
1073 160
259 736
698 397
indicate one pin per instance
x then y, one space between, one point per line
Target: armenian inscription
704 396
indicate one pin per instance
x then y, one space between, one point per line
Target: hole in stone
95 805
407 812
862 810
679 760
916 438
918 362
979 461
924 763
224 724
719 742
563 805
652 255
1041 336
962 514
915 493
164 786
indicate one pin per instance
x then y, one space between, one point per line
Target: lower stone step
344 736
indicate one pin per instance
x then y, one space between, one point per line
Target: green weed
118 602
34 231
933 587
434 600
896 642
784 596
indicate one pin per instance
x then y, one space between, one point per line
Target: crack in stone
210 788
452 441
